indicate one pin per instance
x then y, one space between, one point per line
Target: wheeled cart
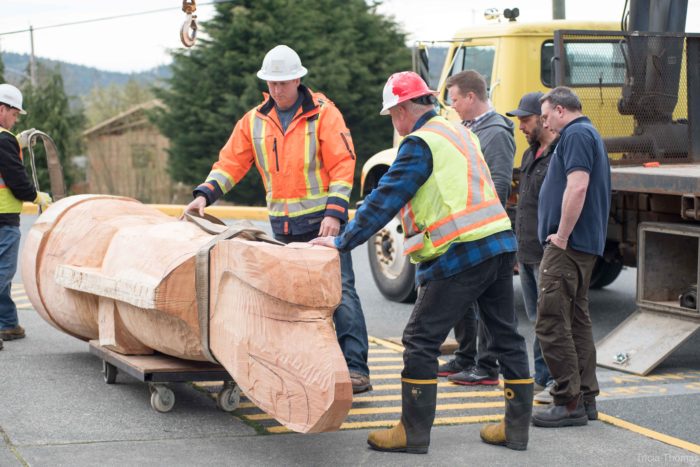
157 370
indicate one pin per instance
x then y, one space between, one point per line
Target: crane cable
188 32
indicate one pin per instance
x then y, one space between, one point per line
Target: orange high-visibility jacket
307 171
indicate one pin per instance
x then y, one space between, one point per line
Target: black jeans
563 324
473 351
441 304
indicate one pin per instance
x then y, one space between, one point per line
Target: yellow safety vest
458 202
8 203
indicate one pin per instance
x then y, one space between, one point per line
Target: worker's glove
23 137
42 199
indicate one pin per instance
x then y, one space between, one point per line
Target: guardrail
222 212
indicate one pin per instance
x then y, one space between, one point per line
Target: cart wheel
162 399
109 372
229 398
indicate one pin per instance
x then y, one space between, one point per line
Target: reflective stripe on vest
8 203
316 195
260 149
458 202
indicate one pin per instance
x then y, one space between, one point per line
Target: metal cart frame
157 370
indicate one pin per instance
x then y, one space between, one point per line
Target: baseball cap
529 105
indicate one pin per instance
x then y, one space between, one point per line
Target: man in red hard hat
459 235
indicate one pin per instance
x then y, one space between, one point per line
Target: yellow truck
515 58
639 82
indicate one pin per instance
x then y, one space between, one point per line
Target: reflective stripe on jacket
307 170
8 203
458 202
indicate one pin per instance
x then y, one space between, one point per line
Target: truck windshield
476 57
588 63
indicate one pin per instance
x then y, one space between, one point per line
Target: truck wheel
605 272
392 271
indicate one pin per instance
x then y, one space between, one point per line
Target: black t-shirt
580 148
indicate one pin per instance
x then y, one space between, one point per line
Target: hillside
78 79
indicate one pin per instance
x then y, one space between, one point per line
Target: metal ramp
667 280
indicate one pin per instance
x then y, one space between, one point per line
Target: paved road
57 410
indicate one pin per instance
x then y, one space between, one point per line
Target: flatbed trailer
158 370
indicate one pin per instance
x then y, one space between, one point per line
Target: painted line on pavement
466 420
679 381
673 441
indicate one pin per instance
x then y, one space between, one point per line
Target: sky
138 43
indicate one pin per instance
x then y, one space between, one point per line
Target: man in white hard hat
15 187
459 235
299 143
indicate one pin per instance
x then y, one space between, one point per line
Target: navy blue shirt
580 148
410 170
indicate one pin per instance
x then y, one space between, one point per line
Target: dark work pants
441 304
473 350
563 324
348 318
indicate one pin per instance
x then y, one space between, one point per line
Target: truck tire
392 271
605 272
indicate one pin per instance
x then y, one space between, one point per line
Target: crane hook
188 32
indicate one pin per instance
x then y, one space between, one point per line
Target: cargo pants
563 324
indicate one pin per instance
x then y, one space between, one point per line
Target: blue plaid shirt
410 170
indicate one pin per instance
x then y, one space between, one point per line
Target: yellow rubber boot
392 440
512 432
494 433
412 433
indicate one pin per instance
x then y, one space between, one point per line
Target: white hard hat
11 96
281 64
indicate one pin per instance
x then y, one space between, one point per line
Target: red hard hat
401 87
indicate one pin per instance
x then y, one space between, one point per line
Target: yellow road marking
440 395
374 368
380 351
679 443
386 343
397 409
469 419
384 359
441 384
397 397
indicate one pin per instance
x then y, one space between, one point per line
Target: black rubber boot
412 433
571 414
513 431
418 400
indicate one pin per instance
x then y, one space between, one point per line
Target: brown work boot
572 413
591 410
360 382
13 333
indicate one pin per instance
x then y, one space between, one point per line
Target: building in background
128 156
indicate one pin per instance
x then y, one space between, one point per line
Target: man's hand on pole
43 200
330 226
198 204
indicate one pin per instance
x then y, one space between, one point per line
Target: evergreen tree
348 49
48 110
